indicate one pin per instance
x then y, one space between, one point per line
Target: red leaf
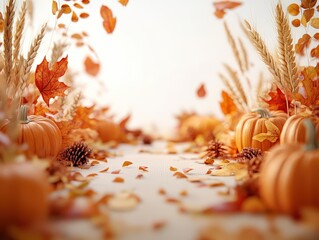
201 91
109 21
47 81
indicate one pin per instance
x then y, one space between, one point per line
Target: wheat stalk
267 58
233 93
27 64
233 46
236 81
286 55
30 10
19 26
57 52
71 110
244 55
7 40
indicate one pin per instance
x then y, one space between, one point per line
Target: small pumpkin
24 194
289 175
294 130
41 134
109 131
254 123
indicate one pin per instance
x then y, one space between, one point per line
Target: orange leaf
66 9
162 191
221 6
47 81
186 170
143 168
104 170
74 17
116 171
118 180
126 163
77 5
123 2
179 175
308 3
84 15
316 36
92 175
54 7
91 67
315 52
227 104
109 21
295 22
293 9
308 13
277 100
303 43
201 91
93 163
173 169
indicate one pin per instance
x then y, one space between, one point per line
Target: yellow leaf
293 9
272 128
173 169
315 23
54 7
266 136
126 163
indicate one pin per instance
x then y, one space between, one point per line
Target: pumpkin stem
23 116
263 112
311 136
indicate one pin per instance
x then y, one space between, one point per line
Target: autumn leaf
173 169
54 7
227 104
308 3
277 100
126 163
118 180
315 23
123 2
47 81
109 21
293 9
302 43
201 91
179 175
221 6
272 134
92 68
143 168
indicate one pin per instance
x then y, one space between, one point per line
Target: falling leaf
315 23
221 6
173 169
92 175
308 13
109 21
187 170
308 3
172 200
74 17
47 81
77 5
272 134
143 168
116 171
84 15
85 1
293 9
123 2
277 100
126 163
66 9
227 104
118 180
161 191
158 225
302 43
104 170
179 175
54 7
295 22
201 91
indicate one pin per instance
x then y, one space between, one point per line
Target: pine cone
75 155
247 154
215 149
253 165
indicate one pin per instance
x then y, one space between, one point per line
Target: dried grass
69 113
57 52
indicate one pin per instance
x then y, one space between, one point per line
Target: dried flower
75 155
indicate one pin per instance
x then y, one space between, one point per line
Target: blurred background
160 52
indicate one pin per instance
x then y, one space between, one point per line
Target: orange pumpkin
294 130
196 125
289 175
24 194
109 131
42 135
254 123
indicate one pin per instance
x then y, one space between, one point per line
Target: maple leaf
227 104
109 21
272 134
47 81
277 100
91 67
221 6
201 91
82 116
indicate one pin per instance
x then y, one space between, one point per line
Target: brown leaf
227 104
77 5
303 43
315 52
158 225
161 191
293 9
201 91
93 163
316 36
139 176
47 81
179 175
172 200
104 170
308 13
315 23
109 21
308 3
173 169
183 193
66 9
118 180
143 168
92 175
126 163
123 2
116 171
295 22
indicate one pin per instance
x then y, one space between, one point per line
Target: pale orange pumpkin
42 135
24 194
289 177
294 130
254 123
109 131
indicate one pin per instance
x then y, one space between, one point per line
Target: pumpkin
195 125
294 129
42 135
289 175
109 131
254 123
24 194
